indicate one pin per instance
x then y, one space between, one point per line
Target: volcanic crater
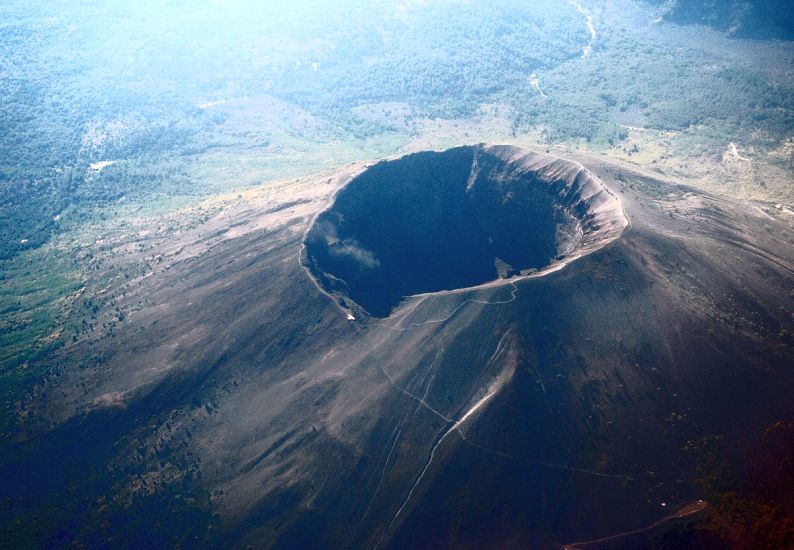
457 219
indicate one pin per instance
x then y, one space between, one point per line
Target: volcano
480 347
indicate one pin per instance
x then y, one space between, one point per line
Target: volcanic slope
530 405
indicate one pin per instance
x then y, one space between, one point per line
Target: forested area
75 95
740 18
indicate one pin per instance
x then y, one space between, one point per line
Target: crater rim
597 211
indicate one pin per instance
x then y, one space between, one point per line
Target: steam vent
461 218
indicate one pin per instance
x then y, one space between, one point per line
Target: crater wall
468 216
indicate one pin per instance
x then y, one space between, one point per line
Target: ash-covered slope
538 410
460 218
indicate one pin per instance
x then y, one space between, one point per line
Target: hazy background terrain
122 122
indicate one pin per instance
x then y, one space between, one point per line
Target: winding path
689 510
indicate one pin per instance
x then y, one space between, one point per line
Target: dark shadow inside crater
435 221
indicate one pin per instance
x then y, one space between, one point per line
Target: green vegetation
37 289
759 19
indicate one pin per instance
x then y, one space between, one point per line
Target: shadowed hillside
741 18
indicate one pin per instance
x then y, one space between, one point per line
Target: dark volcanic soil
576 404
448 220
